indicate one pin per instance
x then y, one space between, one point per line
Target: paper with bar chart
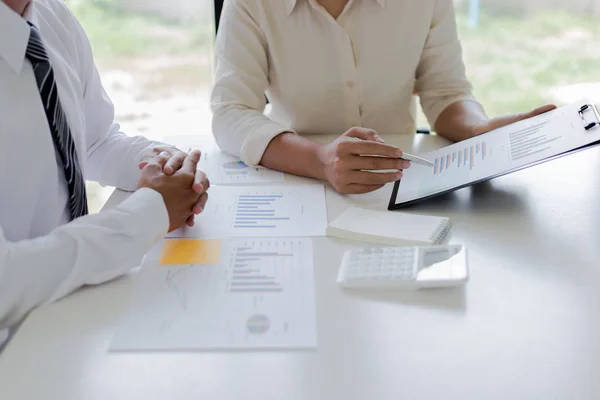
234 294
267 211
496 153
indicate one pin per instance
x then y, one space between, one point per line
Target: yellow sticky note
181 252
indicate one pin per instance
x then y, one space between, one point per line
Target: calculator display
435 256
446 262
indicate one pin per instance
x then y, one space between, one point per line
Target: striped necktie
57 121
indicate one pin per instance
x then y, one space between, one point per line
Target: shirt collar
291 4
14 36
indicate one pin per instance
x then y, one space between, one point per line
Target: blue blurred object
474 13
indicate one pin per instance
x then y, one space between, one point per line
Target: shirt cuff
155 221
129 173
256 143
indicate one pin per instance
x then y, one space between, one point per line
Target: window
522 54
155 58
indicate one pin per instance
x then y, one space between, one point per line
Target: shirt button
350 84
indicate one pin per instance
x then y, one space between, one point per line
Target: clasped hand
174 175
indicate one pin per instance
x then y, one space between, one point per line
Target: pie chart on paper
236 165
258 324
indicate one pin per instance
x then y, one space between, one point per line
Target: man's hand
171 160
346 162
200 186
170 157
499 122
183 192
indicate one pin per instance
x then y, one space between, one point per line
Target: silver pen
417 160
406 156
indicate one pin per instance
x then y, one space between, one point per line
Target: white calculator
404 267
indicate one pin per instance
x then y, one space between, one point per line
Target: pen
417 160
408 157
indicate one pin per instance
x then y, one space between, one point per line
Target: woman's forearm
295 155
461 120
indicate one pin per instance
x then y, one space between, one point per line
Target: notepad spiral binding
441 232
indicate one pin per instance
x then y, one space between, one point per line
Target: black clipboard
583 111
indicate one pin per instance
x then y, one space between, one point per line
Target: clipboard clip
583 110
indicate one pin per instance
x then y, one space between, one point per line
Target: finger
200 204
152 168
369 148
540 110
364 134
530 114
201 182
355 188
161 159
175 162
191 221
367 163
190 164
500 122
374 178
150 154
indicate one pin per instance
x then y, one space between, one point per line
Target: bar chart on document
462 161
456 164
479 157
268 211
264 267
240 293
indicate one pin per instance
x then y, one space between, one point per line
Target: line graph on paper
172 277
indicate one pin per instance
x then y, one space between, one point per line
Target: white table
527 326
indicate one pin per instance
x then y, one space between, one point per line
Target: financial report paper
498 152
231 294
262 211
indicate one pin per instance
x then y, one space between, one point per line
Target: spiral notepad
390 228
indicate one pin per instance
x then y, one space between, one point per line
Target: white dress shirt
42 256
324 76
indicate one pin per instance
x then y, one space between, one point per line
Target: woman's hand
466 119
504 120
348 160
